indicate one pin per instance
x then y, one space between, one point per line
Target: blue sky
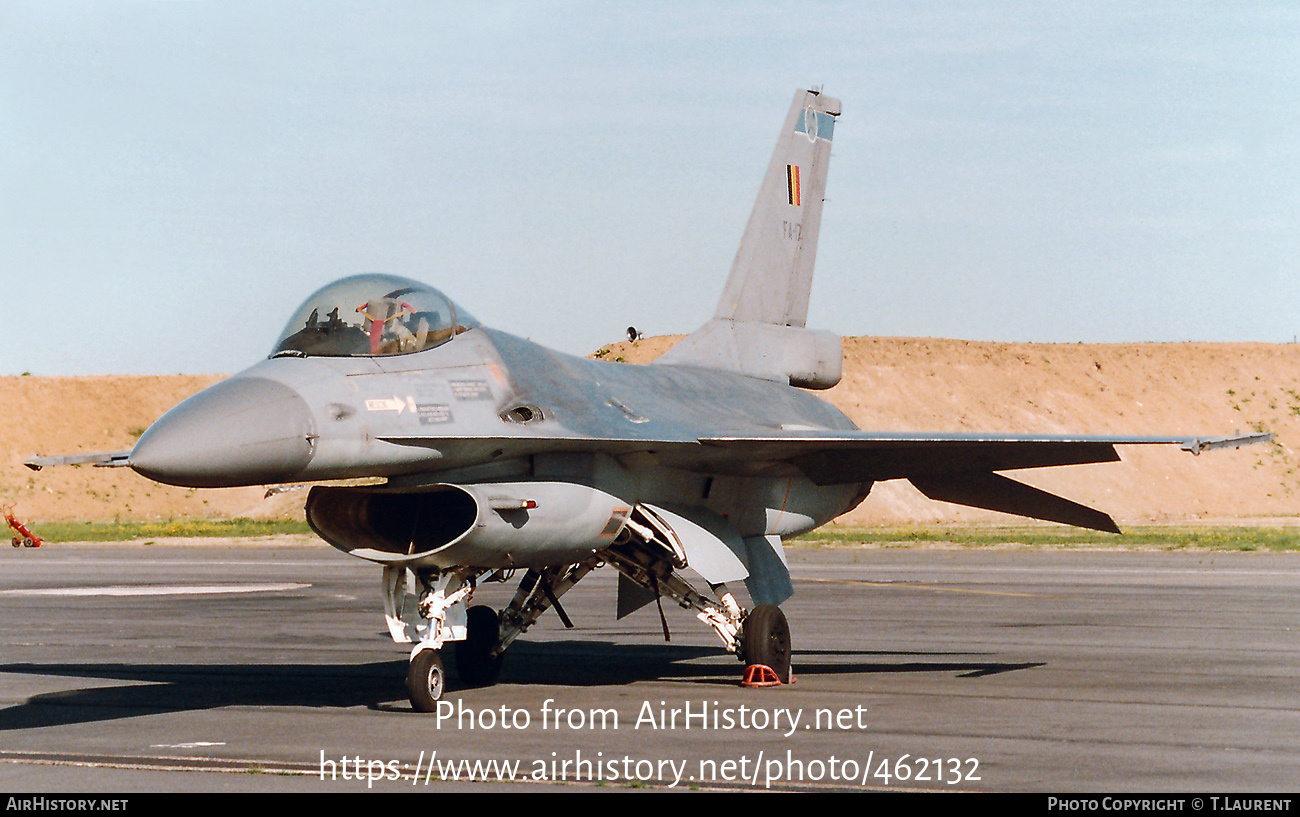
178 176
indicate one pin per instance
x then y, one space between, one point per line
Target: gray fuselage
491 407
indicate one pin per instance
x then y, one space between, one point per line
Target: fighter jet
491 456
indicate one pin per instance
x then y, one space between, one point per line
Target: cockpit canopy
372 315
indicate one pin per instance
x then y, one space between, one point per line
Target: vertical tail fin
758 326
772 274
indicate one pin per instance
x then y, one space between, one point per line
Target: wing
959 468
828 458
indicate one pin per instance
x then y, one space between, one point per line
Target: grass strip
1138 538
126 531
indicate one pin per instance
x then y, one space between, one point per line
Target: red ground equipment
22 536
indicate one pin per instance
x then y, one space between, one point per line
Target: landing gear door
710 543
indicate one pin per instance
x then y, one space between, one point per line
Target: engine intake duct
514 524
397 524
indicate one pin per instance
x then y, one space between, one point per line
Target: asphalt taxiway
265 666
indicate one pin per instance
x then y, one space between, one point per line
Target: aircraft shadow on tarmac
159 688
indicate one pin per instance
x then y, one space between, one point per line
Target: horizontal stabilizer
995 492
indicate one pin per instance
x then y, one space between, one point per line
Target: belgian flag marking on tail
792 183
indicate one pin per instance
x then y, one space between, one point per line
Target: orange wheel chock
761 675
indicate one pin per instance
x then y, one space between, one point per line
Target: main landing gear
440 613
765 641
477 659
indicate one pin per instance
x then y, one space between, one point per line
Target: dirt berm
892 384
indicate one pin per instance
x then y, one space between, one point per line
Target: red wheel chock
761 675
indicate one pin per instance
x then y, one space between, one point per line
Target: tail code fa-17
499 455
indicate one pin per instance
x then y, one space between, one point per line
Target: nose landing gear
425 680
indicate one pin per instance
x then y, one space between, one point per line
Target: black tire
766 639
426 680
474 662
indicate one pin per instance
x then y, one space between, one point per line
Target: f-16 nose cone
242 431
